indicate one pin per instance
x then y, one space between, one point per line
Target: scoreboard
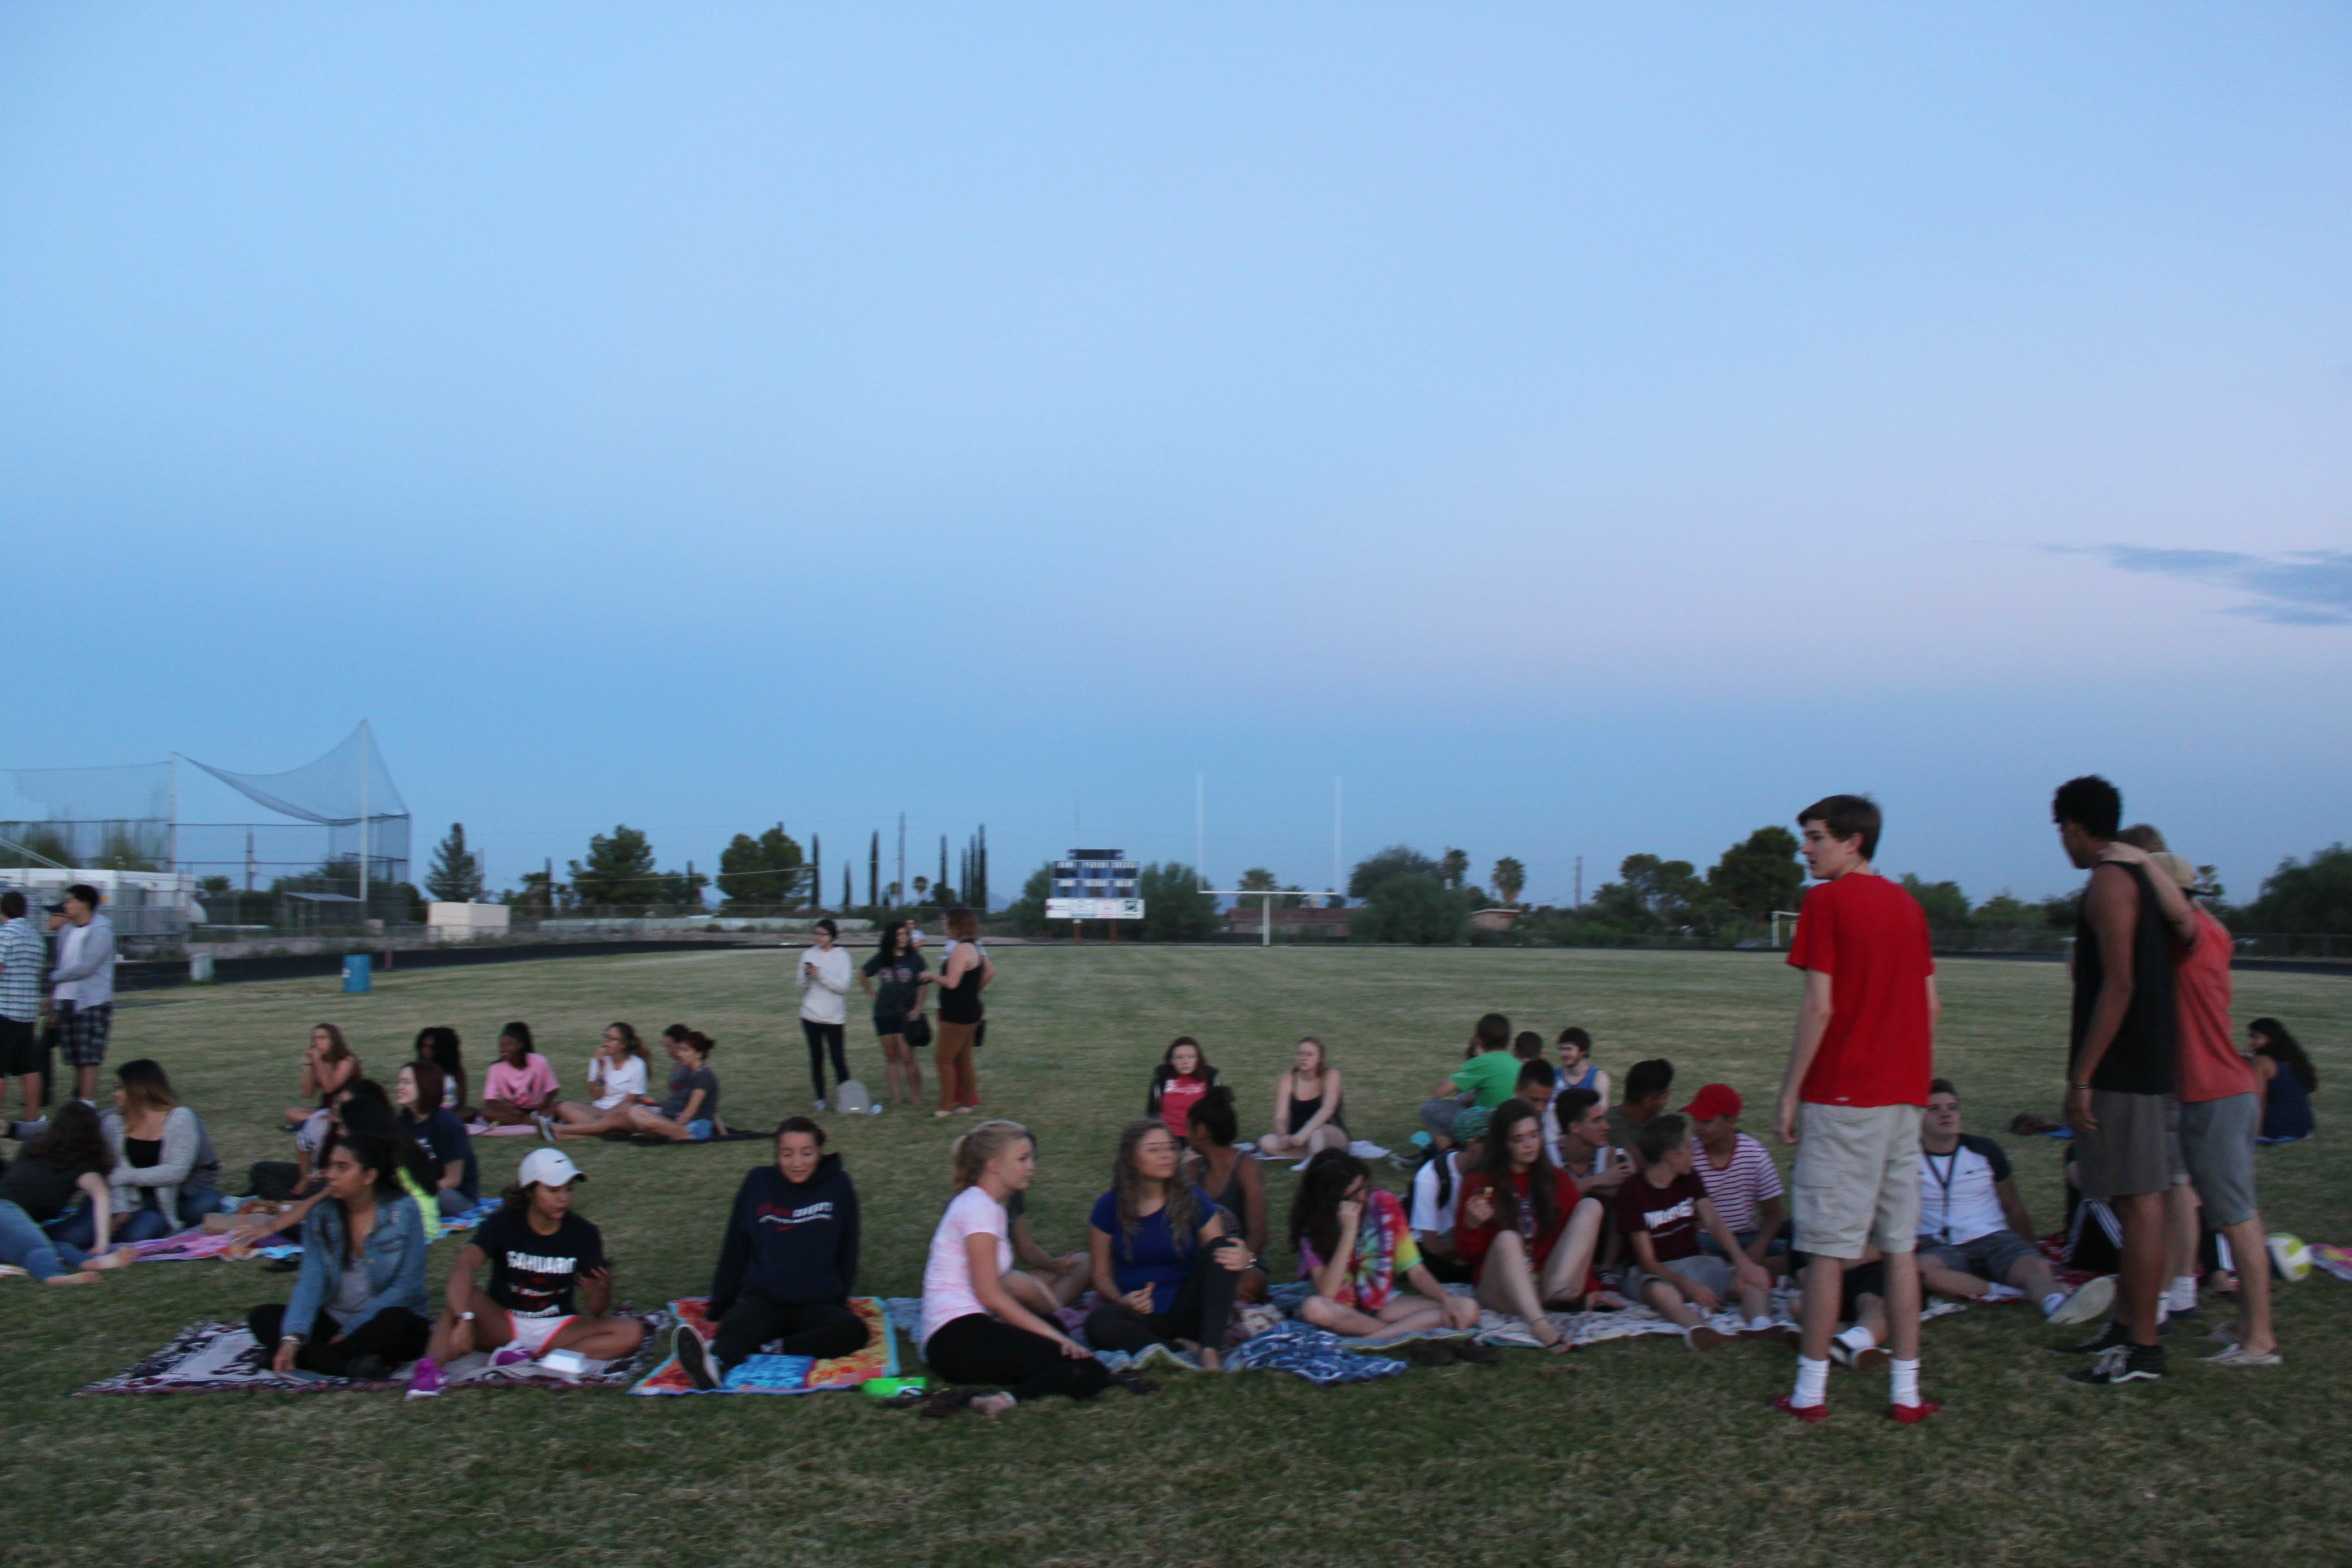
1094 884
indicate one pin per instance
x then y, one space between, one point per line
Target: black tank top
960 1003
2140 1059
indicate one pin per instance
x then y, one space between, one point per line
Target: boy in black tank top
2119 1078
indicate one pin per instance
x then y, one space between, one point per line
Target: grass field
1635 1451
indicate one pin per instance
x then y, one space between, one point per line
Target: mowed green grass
1628 1452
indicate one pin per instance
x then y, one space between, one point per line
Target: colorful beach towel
769 1373
208 1358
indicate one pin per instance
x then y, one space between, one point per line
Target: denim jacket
395 1261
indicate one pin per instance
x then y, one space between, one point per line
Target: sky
1582 430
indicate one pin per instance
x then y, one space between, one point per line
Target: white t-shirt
824 996
1428 1213
618 1084
947 1274
1960 1192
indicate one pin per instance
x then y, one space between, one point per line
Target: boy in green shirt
1485 1080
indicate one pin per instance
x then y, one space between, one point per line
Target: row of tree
768 870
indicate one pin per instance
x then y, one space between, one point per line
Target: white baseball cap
549 1168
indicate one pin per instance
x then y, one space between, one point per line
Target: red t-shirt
1870 938
1669 1213
1471 1242
1177 1098
2210 1066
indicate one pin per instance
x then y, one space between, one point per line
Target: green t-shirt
1491 1075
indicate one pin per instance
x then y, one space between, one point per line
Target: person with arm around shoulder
359 1305
974 1332
550 1283
1307 1105
68 1161
787 1263
1357 1251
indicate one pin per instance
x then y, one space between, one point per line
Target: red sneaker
1912 1415
1788 1404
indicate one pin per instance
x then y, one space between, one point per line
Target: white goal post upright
1200 836
1266 909
1778 915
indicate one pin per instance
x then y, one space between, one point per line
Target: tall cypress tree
874 870
816 881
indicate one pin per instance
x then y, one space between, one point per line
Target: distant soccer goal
1779 936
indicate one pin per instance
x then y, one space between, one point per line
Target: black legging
820 1329
1202 1311
394 1336
819 1036
976 1348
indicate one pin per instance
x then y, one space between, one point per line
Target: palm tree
1509 877
1454 867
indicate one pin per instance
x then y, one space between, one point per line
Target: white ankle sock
1857 1338
2002 1293
2052 1302
1903 1383
2183 1295
1812 1383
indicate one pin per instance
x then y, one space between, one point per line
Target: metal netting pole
363 824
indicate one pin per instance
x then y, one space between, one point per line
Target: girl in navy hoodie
787 1264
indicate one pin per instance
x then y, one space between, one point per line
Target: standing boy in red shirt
1856 1087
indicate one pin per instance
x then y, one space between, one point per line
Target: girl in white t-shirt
974 1330
616 1081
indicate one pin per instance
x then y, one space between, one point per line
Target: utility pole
902 881
1580 881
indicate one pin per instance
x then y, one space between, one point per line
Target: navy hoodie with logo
793 1242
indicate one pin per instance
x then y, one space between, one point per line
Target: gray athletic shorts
1714 1273
2217 1145
1856 1182
1990 1256
2134 1150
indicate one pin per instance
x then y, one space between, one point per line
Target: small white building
465 922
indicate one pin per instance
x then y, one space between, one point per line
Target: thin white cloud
2297 588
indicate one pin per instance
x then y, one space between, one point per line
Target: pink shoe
424 1379
1787 1404
510 1356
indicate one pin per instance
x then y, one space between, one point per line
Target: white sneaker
2088 1304
820 1105
876 1109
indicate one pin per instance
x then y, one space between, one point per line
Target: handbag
917 1031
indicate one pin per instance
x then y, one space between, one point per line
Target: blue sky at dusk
1586 430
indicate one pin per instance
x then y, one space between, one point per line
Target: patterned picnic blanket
196 1243
769 1373
212 1357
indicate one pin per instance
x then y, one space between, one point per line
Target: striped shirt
1747 1181
20 970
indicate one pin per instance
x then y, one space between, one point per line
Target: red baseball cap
1712 1102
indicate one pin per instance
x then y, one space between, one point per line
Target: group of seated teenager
619 1106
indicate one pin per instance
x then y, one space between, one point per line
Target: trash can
358 974
200 968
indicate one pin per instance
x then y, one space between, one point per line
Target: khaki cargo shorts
1857 1179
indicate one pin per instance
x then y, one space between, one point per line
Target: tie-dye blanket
768 1373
